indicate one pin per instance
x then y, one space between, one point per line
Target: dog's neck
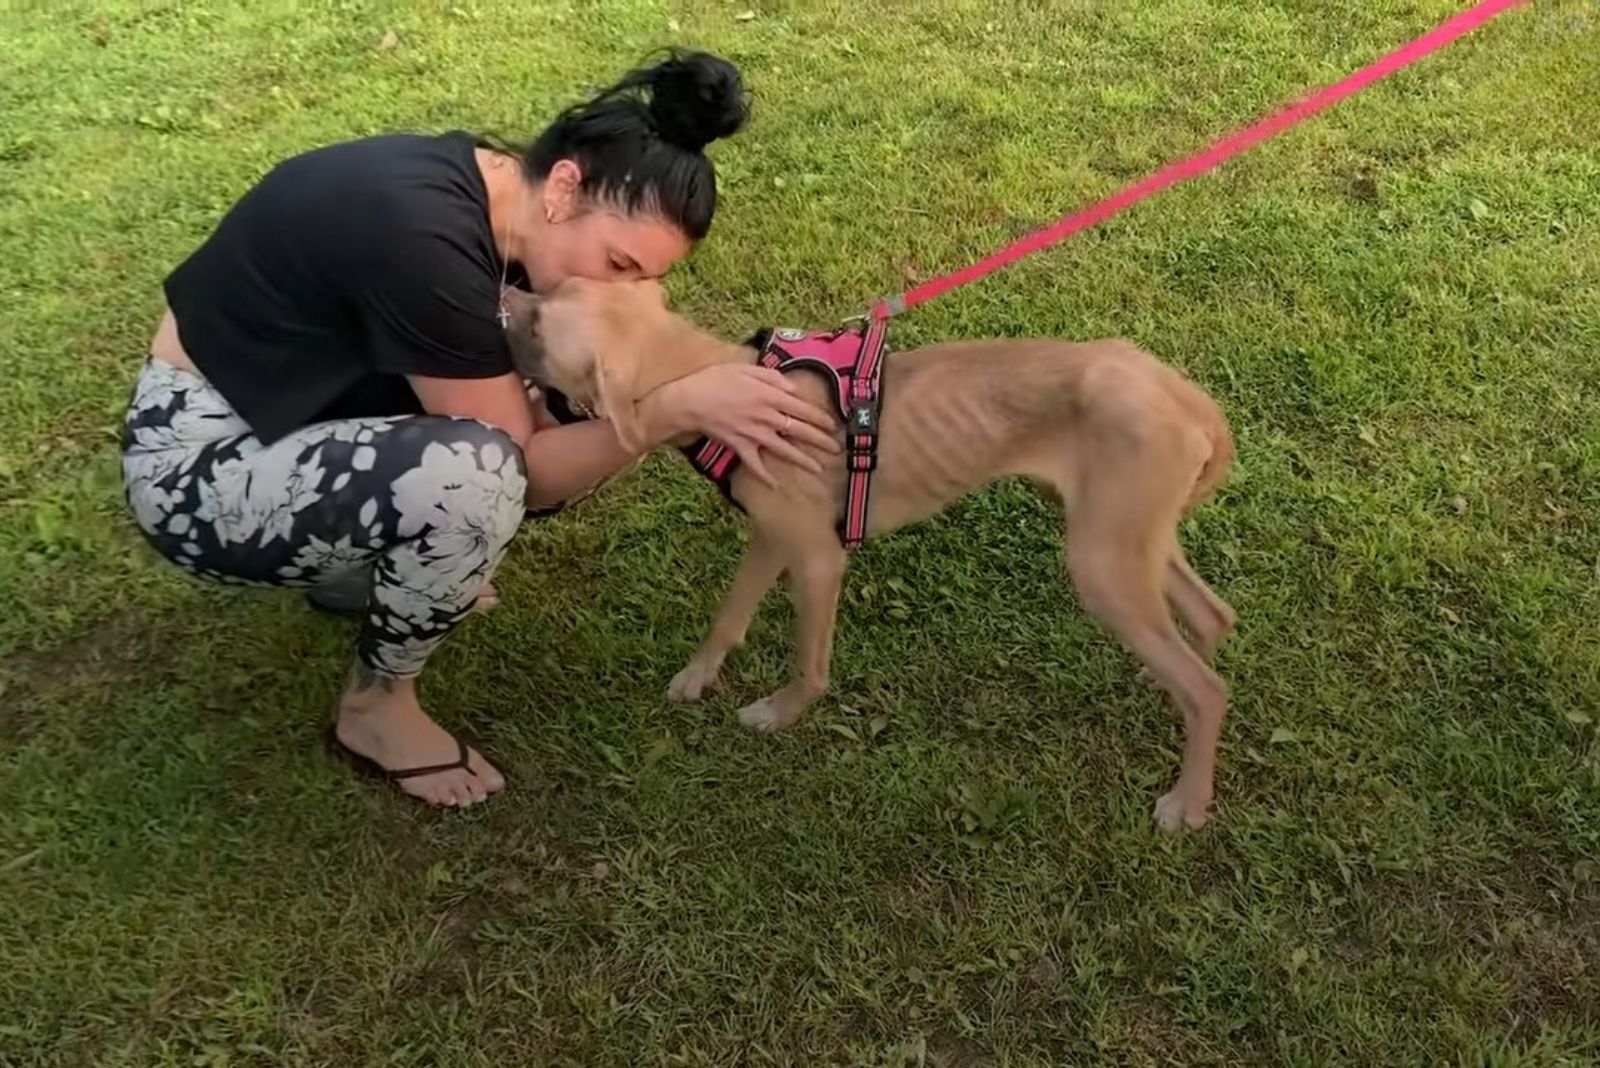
683 350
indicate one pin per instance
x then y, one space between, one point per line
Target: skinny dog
1125 443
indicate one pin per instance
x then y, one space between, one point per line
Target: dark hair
639 142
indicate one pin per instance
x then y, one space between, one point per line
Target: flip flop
347 596
344 595
365 765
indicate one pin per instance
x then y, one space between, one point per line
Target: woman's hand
539 409
753 410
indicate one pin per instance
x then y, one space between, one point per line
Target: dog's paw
767 715
1175 812
692 682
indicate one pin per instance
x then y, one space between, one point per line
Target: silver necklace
504 314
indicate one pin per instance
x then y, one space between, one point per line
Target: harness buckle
864 418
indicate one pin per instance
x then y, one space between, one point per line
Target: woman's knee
470 470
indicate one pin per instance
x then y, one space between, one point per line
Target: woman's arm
752 409
562 460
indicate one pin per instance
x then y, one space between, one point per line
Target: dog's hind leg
1120 586
1207 618
1120 542
760 568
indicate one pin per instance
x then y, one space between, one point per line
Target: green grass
952 861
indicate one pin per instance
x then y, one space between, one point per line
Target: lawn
952 861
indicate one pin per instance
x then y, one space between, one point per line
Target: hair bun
695 98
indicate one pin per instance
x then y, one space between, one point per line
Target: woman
330 387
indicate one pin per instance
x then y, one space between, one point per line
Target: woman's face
571 236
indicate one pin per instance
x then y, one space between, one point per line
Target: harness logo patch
789 334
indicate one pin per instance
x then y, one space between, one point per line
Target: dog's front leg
760 568
814 579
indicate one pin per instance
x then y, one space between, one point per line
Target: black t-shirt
343 270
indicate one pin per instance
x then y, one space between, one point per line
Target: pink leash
1230 146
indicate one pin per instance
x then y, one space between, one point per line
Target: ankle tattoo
365 679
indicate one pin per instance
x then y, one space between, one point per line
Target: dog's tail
1220 461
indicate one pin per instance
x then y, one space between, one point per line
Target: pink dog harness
851 358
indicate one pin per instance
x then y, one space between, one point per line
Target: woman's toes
445 788
488 777
433 789
461 790
458 788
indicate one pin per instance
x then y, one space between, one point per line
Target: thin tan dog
1126 443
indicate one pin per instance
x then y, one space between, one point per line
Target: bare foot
381 719
488 598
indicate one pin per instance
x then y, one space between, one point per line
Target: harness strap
856 372
861 432
714 459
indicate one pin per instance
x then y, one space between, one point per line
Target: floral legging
428 503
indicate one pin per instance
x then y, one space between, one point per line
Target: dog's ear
527 355
616 381
521 337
